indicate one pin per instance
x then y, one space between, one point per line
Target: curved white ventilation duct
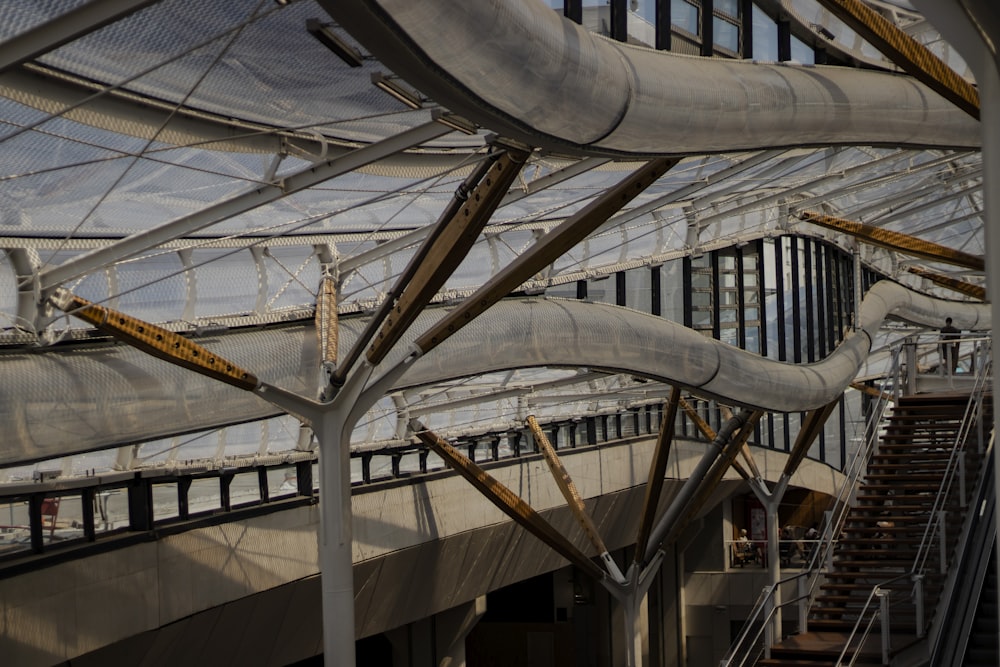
85 397
521 69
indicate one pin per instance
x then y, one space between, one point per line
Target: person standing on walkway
949 349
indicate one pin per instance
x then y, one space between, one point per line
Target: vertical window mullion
810 278
821 293
716 296
663 33
741 319
707 27
761 298
833 327
796 305
573 10
784 40
619 20
746 29
688 302
655 291
779 276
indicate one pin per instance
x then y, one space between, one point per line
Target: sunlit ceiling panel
254 61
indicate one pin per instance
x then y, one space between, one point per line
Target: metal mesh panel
153 288
292 277
697 104
227 282
75 400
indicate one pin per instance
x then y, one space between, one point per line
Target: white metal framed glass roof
195 166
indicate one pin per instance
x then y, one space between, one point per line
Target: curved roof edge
521 69
72 400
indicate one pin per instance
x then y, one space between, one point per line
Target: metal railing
934 531
757 635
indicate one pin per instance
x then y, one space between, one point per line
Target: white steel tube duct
522 70
78 398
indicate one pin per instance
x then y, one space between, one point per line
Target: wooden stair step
856 580
881 507
925 415
880 555
906 517
848 624
878 543
908 480
915 490
928 454
883 496
925 467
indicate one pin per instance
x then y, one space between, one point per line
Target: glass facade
727 28
787 298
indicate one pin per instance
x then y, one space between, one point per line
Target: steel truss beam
506 500
430 236
573 499
68 26
258 196
156 341
549 248
445 250
723 447
711 481
811 427
657 471
960 286
890 240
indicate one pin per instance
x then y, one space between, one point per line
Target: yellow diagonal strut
327 325
548 249
156 341
657 471
570 493
693 415
912 56
448 250
960 286
506 500
904 243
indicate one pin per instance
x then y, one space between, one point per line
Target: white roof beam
259 196
65 28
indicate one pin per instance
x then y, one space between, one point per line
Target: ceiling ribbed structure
202 168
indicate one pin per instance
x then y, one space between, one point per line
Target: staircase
882 534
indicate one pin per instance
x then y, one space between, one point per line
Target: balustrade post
962 502
911 370
943 523
803 605
883 605
768 626
918 598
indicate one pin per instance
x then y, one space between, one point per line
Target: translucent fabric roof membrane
205 167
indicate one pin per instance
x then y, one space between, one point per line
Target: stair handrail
875 616
857 466
823 549
876 592
765 612
879 613
975 403
973 413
